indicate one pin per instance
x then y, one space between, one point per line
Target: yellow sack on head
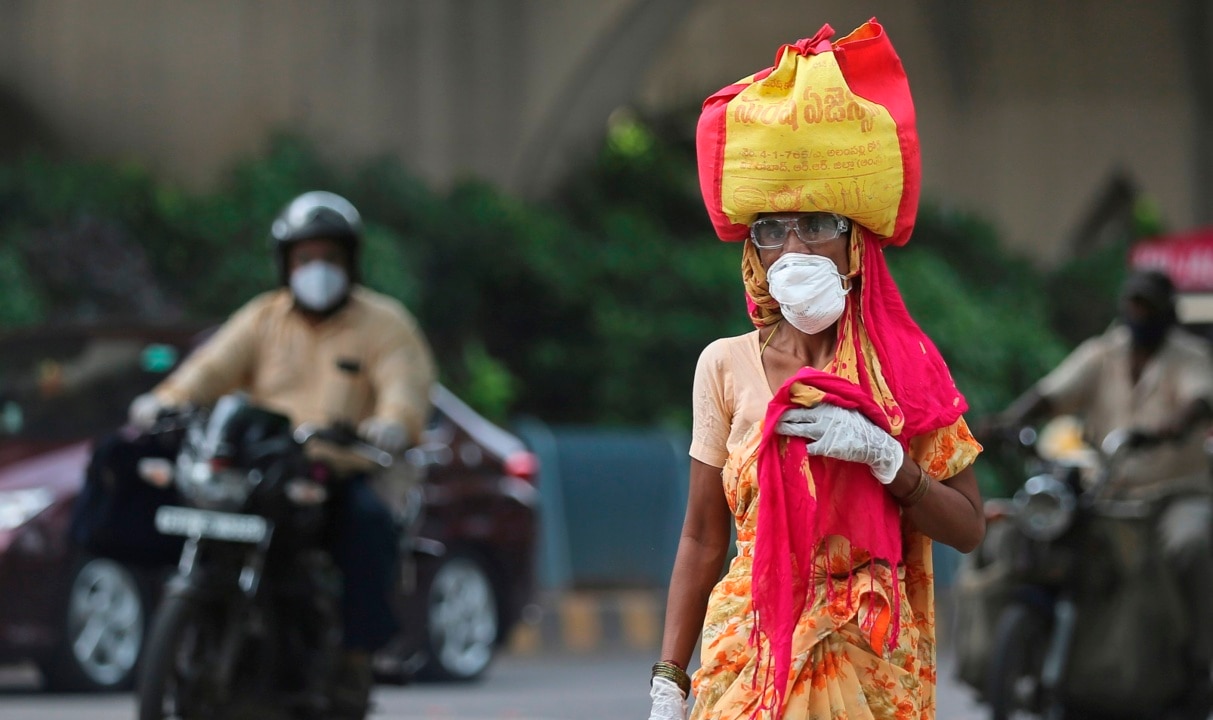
830 128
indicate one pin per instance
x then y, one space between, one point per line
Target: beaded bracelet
674 674
916 495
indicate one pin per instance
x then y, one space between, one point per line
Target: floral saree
843 665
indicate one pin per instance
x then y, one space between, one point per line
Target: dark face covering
1148 308
1148 331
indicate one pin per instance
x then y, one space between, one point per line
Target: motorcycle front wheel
179 671
1013 686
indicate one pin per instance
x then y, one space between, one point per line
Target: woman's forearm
698 563
950 512
697 567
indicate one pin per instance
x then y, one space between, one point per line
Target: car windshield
74 386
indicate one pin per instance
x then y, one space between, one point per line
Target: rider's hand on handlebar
146 410
387 435
1138 439
1172 431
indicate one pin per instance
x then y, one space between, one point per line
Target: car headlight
18 507
1044 507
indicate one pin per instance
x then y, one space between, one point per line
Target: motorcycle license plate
189 522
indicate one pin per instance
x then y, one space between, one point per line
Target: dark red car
82 618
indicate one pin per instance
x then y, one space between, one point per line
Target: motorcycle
1091 623
250 623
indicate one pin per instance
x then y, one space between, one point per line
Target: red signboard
1186 257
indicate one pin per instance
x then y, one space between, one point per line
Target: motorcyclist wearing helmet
1149 375
320 349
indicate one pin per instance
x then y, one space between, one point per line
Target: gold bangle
673 673
916 495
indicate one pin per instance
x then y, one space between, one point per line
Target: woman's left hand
845 434
668 701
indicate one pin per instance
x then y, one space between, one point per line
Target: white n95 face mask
810 291
319 286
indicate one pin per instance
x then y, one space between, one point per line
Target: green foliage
988 315
995 344
1084 291
22 303
988 311
592 309
489 381
1147 218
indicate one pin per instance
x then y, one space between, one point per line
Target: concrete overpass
1026 109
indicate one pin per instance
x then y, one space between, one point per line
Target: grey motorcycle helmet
316 214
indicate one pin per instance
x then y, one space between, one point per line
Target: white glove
844 435
668 701
145 411
387 435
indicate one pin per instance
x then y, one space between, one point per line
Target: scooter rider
320 349
1148 374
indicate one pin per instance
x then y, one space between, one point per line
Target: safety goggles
812 228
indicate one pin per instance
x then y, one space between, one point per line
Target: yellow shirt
286 364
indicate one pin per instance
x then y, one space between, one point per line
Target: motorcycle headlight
18 507
210 486
1044 507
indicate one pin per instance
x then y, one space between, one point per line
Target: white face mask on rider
319 286
810 291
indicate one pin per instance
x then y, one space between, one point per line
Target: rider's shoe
351 688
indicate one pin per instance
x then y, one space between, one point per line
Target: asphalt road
548 686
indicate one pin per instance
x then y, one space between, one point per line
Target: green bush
591 309
990 324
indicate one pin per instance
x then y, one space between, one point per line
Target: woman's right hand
668 701
845 434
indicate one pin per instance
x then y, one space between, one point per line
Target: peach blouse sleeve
711 410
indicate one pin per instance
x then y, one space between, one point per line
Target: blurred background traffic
526 172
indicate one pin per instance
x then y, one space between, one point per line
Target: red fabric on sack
872 70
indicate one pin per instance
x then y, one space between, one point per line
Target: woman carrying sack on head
831 436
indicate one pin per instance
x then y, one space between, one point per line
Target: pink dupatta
905 389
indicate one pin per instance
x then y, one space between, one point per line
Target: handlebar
1117 441
170 420
343 435
1134 439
